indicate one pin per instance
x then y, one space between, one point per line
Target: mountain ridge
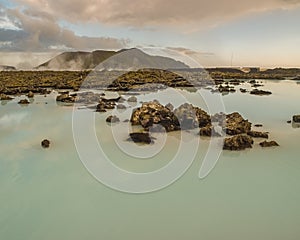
125 59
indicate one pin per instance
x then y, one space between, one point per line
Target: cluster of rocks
158 117
260 92
135 79
29 91
66 98
106 104
226 87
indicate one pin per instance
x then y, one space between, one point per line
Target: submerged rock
5 97
269 144
132 99
256 134
237 143
23 102
45 143
260 92
104 105
112 119
140 137
66 98
30 94
121 106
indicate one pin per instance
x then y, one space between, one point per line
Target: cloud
31 30
190 52
155 12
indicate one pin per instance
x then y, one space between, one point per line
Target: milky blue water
49 194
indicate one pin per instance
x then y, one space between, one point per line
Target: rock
140 137
132 99
296 118
110 100
191 117
170 106
289 121
269 144
256 134
260 92
66 98
30 94
225 89
258 125
151 113
237 143
236 124
23 101
121 106
4 97
257 85
112 119
87 97
45 143
137 79
219 118
209 131
242 90
105 105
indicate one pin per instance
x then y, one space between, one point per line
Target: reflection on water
48 194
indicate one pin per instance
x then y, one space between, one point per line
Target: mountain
126 59
7 68
76 60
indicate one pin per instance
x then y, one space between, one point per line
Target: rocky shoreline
154 117
14 83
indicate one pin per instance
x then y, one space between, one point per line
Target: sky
213 33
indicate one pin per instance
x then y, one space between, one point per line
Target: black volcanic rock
45 143
112 119
256 134
66 98
140 137
236 124
23 102
153 113
134 79
269 144
260 92
296 118
237 143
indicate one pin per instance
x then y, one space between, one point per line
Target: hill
126 59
